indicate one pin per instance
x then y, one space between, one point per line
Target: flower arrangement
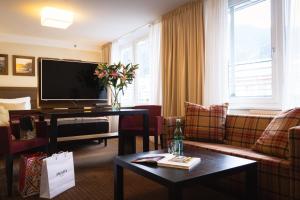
116 76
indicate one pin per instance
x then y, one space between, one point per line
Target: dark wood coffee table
213 165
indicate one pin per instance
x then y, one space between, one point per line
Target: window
143 74
253 73
139 91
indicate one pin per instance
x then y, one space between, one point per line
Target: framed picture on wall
3 64
23 65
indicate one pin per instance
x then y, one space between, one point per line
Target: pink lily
114 74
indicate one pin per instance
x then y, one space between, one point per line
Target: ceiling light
57 18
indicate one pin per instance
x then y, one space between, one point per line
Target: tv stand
126 142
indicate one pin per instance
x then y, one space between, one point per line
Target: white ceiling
96 21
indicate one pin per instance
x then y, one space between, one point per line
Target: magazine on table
169 160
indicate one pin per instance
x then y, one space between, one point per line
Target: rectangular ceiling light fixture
56 18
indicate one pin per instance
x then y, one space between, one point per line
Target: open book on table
169 160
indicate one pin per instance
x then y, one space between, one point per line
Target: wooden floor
94 177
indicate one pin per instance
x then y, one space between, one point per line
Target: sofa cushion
236 151
273 172
274 140
205 123
243 131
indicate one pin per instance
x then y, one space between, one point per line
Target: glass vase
115 104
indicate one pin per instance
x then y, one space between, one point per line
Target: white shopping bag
57 175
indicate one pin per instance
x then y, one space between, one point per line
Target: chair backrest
136 121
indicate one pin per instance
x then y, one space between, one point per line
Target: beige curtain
182 57
105 53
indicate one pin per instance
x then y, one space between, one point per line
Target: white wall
38 51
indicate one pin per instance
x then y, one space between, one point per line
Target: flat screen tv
62 80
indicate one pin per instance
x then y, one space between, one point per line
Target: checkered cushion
274 140
243 130
205 123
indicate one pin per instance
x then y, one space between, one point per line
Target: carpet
94 177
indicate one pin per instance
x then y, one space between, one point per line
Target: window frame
133 45
268 103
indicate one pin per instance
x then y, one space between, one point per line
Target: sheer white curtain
216 51
115 52
155 63
291 89
141 47
115 58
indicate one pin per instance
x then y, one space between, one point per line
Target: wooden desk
126 143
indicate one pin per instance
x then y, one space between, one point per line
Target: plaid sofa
278 178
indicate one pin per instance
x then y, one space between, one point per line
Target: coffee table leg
118 182
251 183
175 192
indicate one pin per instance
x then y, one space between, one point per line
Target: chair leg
161 141
105 142
9 162
156 142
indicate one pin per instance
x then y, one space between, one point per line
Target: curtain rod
145 25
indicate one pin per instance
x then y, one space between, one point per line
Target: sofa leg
9 162
156 142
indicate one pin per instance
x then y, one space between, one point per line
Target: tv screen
69 80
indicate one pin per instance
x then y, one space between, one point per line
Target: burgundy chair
9 148
134 124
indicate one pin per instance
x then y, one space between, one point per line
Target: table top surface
212 163
92 112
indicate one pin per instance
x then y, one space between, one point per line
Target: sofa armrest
41 129
5 139
294 151
169 125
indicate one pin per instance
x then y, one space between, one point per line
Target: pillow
205 123
4 117
274 140
25 100
13 106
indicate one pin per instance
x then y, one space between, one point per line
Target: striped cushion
274 140
243 131
205 123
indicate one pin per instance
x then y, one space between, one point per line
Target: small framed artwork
23 65
3 64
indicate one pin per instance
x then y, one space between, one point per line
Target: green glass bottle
178 138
